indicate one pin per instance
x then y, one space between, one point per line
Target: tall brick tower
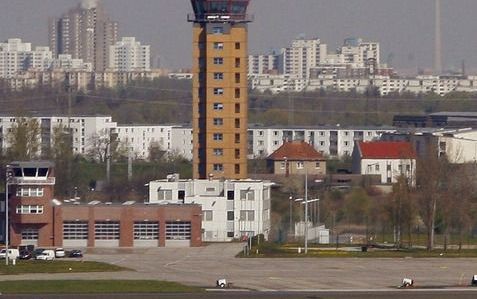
220 88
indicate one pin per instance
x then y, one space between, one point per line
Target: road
203 266
436 294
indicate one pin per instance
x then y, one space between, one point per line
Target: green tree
357 205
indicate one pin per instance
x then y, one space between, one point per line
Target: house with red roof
387 159
294 157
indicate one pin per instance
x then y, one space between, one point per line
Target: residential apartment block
17 56
335 141
84 32
128 55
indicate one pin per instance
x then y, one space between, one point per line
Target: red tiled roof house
292 158
387 159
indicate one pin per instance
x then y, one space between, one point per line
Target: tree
61 152
402 209
432 180
24 139
357 206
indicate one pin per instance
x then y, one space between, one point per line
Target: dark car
37 252
25 255
75 253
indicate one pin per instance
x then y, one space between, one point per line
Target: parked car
59 253
13 253
46 255
75 253
37 252
25 255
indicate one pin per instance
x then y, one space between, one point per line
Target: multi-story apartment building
139 139
301 56
263 64
17 56
88 132
84 32
333 141
220 88
231 209
129 55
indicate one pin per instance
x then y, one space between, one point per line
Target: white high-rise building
262 64
129 55
303 55
17 56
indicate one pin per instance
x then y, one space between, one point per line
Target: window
388 167
230 234
237 93
218 60
237 138
237 153
376 167
237 62
237 46
218 30
247 215
218 46
408 167
30 192
29 209
283 165
207 215
218 106
237 168
317 165
218 167
237 77
237 123
230 216
218 152
106 230
230 195
145 230
75 230
218 91
218 121
237 108
164 194
218 137
30 234
218 76
178 230
247 194
300 165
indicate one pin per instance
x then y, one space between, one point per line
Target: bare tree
24 139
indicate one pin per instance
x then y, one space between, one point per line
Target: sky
405 28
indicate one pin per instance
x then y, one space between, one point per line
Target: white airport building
231 209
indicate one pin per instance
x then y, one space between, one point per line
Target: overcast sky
405 28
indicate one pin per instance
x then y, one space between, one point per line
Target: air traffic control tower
220 88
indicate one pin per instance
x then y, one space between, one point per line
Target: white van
12 253
46 255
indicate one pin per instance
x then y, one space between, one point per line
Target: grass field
286 251
93 287
59 266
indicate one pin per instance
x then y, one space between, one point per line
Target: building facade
231 209
389 160
36 218
84 32
220 88
128 55
17 57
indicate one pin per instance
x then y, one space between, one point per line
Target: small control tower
220 88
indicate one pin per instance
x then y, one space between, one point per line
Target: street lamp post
306 210
291 215
8 175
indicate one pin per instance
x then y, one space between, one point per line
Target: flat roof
32 164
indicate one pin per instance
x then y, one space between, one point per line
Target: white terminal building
231 209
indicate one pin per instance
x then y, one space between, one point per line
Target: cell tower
220 89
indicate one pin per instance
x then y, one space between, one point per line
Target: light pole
290 198
8 175
306 210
